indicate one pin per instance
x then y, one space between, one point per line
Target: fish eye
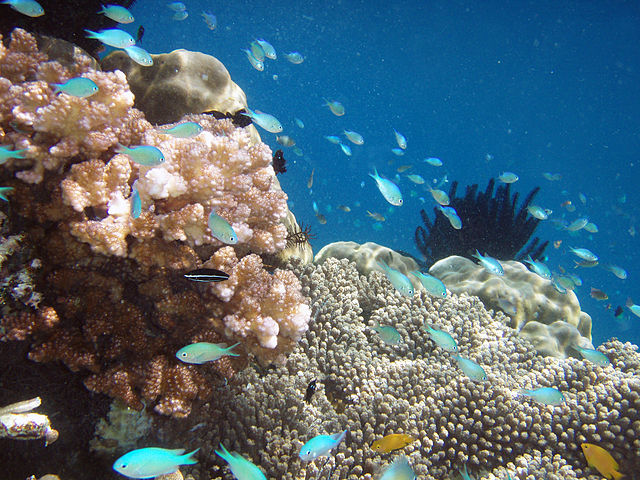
124 465
183 354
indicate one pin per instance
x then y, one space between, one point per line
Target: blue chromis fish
136 203
538 212
400 469
183 130
431 284
354 137
210 20
203 352
268 49
336 107
299 123
490 264
441 338
415 178
398 279
577 224
114 37
452 216
346 149
152 461
388 334
333 139
539 268
6 154
397 151
30 8
400 140
552 177
619 272
635 309
470 368
221 229
177 6
439 196
592 355
508 177
546 395
142 155
584 254
139 55
80 87
321 445
4 191
591 227
179 16
433 161
294 57
240 467
257 51
388 189
264 120
206 275
255 63
117 13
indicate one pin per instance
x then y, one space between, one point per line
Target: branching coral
490 223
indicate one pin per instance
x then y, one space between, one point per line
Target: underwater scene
319 240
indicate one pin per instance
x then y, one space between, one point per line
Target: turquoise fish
240 467
296 58
114 37
6 154
464 473
80 87
151 462
538 212
546 395
210 20
470 368
433 161
397 151
268 49
388 334
490 264
388 189
336 107
441 338
255 63
117 13
619 272
136 203
452 216
139 55
321 445
4 191
264 120
333 139
221 229
508 177
635 309
594 356
257 51
203 352
145 155
346 149
400 469
400 140
584 254
30 8
354 137
398 279
439 196
183 130
539 268
431 284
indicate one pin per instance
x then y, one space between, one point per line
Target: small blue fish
300 123
464 473
333 139
295 57
539 268
433 161
117 13
577 224
240 467
354 137
221 229
388 189
177 6
400 140
441 338
635 309
142 155
183 130
255 63
388 334
113 37
30 8
397 151
346 149
136 203
546 395
470 368
619 272
538 212
4 191
151 462
452 216
584 254
400 469
80 87
139 55
490 264
264 120
398 279
320 446
268 49
210 20
6 154
439 196
203 352
594 356
335 106
508 177
180 16
431 284
257 51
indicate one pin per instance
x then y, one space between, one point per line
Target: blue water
529 87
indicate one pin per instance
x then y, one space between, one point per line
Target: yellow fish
598 458
392 442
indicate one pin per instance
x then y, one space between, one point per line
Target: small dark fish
140 34
311 389
206 275
279 162
619 312
598 294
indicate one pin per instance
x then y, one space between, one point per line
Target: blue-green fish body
296 58
221 229
210 20
139 55
490 264
136 203
388 334
183 130
257 51
264 120
546 395
594 356
591 227
433 161
151 462
80 87
398 279
442 339
346 149
470 368
336 107
577 224
537 212
177 6
400 469
584 254
452 216
397 151
439 196
415 178
431 284
388 189
539 268
117 13
508 177
268 49
240 467
255 63
635 309
333 139
145 155
114 37
320 446
464 473
354 137
300 124
30 8
203 352
4 191
619 272
400 140
6 154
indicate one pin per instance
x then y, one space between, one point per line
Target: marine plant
492 223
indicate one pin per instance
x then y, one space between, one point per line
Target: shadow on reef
490 224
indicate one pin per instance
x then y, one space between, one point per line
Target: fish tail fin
383 265
338 437
188 459
249 113
230 353
103 9
477 255
375 175
91 33
224 454
120 148
629 302
617 475
57 88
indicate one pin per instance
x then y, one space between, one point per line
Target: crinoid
299 235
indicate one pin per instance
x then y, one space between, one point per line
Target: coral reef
490 223
373 390
551 320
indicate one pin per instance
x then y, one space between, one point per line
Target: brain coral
373 390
